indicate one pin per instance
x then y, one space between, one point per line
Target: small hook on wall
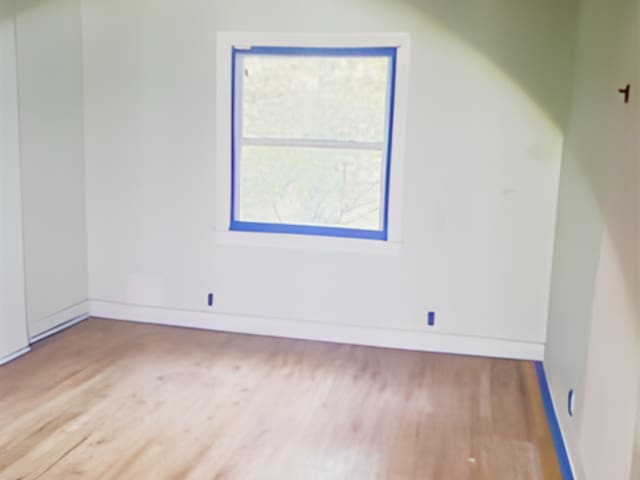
625 91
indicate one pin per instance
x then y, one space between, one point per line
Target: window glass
311 97
312 186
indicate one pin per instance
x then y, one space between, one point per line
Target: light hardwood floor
109 399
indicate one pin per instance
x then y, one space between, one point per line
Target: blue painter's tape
233 136
237 59
391 94
308 230
322 51
431 318
554 425
210 300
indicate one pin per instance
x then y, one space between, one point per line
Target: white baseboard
350 334
58 321
59 328
12 356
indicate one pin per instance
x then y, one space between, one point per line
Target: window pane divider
311 143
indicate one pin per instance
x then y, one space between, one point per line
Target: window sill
306 242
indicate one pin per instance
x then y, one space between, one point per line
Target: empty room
323 240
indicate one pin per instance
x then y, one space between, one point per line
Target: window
312 134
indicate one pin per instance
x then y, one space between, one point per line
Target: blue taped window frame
236 128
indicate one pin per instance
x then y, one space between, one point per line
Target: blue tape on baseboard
554 425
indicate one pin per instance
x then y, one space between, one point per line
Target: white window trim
224 236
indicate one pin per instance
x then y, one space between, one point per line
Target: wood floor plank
118 400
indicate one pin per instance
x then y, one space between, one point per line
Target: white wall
13 327
593 342
489 92
49 37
